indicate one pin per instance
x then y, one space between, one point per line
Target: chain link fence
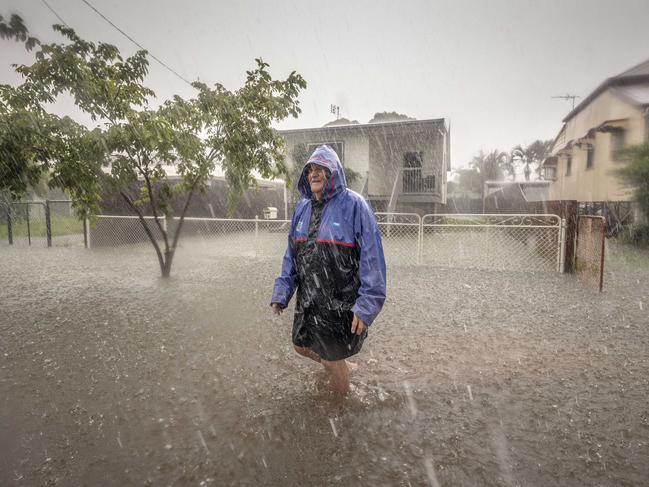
504 242
24 224
589 261
40 224
67 229
501 242
400 235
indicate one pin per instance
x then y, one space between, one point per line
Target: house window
617 144
550 173
568 165
590 156
338 148
412 180
429 184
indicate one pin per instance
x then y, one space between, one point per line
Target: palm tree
532 155
491 167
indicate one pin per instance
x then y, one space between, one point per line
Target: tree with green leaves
135 141
531 157
635 174
389 117
490 167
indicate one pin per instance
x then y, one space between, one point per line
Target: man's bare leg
339 373
307 352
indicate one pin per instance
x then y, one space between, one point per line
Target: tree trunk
168 260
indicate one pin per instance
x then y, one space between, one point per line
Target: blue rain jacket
344 267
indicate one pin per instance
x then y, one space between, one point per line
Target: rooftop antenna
568 96
335 109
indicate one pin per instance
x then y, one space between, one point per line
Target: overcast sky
489 67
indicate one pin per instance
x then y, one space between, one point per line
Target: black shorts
326 332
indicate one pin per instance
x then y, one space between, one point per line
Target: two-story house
587 150
402 165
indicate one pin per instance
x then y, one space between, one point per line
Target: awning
565 149
587 138
613 125
550 161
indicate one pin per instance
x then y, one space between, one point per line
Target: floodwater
110 375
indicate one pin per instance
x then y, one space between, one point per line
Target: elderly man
335 260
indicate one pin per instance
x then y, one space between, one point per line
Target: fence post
29 230
86 233
10 230
48 223
420 238
256 235
562 246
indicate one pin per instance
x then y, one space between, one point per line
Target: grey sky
491 67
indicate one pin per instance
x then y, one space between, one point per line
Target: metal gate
505 242
40 223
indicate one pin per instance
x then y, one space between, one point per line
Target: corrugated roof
638 70
638 74
366 126
635 94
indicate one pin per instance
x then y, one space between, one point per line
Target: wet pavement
110 375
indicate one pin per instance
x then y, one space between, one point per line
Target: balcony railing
414 182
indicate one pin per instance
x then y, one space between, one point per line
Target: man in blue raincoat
335 261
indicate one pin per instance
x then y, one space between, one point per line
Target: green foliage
637 234
60 225
17 30
135 141
389 117
531 156
636 174
341 121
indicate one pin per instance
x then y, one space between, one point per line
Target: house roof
634 94
626 84
367 126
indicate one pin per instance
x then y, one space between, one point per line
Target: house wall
598 183
356 153
387 151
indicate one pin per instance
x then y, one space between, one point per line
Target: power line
54 12
135 42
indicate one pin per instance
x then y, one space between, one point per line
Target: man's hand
277 309
358 325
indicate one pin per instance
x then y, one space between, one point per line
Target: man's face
317 177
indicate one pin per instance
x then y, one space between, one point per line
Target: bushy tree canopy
135 140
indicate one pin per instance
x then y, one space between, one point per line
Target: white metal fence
512 242
505 242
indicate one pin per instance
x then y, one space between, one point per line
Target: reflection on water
110 375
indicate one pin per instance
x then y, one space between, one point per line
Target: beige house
402 165
587 150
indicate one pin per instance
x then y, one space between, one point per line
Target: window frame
590 156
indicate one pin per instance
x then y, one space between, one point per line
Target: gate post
562 246
256 235
86 233
10 231
420 238
48 223
29 230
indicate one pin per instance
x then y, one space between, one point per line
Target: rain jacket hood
326 157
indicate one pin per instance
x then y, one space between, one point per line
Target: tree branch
130 203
